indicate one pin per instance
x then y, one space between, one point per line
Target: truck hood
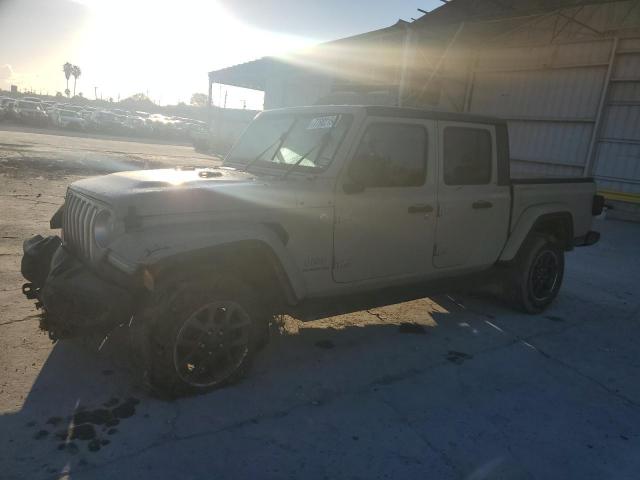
184 191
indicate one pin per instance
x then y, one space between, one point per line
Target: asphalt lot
481 392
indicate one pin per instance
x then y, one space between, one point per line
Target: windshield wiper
278 142
259 156
322 143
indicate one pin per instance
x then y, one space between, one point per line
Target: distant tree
76 72
138 97
67 92
67 68
58 94
139 101
199 99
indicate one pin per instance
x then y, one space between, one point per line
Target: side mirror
350 188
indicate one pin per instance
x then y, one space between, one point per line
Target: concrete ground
478 392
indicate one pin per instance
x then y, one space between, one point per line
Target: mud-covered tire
192 303
536 275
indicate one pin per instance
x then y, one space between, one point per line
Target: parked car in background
103 120
199 135
113 121
32 99
137 125
87 112
67 119
9 105
121 121
74 108
48 104
160 124
30 112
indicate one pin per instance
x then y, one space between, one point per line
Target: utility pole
95 92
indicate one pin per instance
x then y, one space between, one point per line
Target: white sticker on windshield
322 122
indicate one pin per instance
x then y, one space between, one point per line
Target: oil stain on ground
87 425
457 357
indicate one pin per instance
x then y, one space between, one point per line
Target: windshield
284 140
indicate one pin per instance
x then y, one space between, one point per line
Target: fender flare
153 247
527 222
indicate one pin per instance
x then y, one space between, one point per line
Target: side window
467 156
390 155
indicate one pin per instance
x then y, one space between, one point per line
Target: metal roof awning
329 57
251 74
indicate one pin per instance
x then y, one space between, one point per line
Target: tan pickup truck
313 206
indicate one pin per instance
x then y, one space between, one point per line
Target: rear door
473 209
385 203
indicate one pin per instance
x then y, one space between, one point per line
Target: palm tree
67 68
76 72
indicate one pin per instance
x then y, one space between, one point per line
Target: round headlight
103 228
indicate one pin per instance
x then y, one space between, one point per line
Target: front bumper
74 300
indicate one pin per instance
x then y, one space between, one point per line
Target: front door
385 203
473 210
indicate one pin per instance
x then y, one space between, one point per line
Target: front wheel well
251 261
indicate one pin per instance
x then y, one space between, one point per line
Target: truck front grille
79 216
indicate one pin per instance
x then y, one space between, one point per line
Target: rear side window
467 156
391 155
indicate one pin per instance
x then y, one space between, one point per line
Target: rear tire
536 275
205 337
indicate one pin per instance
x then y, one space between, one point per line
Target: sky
165 48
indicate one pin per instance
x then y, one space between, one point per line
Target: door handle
479 204
420 209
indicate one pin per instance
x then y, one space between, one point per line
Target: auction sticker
322 122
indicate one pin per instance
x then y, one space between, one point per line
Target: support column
591 152
471 78
210 100
402 86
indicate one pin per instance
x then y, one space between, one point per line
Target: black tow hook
30 291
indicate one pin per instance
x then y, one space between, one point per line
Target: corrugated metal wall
617 152
570 92
550 95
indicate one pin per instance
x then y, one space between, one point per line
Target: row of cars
114 121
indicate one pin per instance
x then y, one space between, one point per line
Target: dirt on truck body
315 208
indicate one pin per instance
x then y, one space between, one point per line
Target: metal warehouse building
565 74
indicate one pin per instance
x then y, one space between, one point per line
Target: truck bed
572 196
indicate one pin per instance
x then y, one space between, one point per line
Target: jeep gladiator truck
312 203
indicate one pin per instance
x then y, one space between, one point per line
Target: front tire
206 336
537 274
